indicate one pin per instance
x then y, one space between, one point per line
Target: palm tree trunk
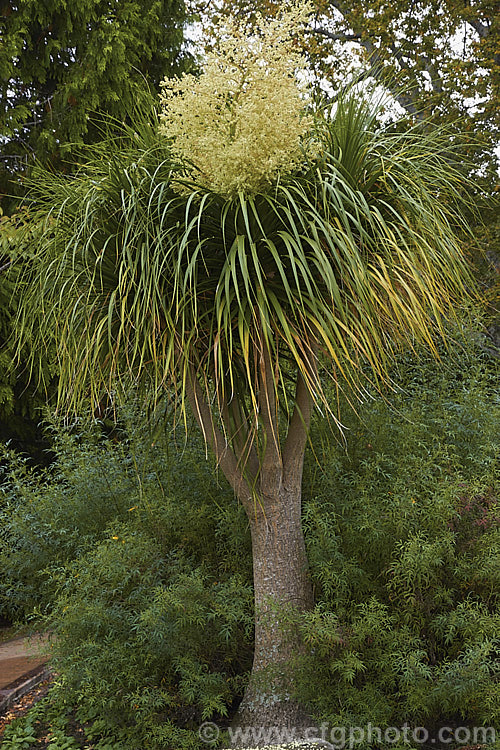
268 713
270 489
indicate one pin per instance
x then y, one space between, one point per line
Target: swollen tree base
265 721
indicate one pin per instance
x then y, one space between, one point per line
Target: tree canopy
221 266
62 67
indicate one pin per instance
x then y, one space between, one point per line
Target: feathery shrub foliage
51 518
403 534
140 564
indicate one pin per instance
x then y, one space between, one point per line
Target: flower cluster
243 121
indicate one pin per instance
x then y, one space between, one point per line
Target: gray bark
282 589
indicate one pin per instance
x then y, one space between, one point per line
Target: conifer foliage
60 62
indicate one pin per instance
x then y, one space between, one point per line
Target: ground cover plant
153 615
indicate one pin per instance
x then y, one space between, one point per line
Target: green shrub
145 641
51 517
141 564
403 538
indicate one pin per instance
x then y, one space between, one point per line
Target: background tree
441 60
61 63
226 252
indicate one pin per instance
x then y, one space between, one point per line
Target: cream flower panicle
243 121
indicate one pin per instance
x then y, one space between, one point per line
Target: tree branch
407 101
298 430
436 82
341 37
271 466
241 437
481 29
214 437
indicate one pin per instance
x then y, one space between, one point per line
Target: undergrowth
139 560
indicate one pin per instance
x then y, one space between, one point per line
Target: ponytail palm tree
230 253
